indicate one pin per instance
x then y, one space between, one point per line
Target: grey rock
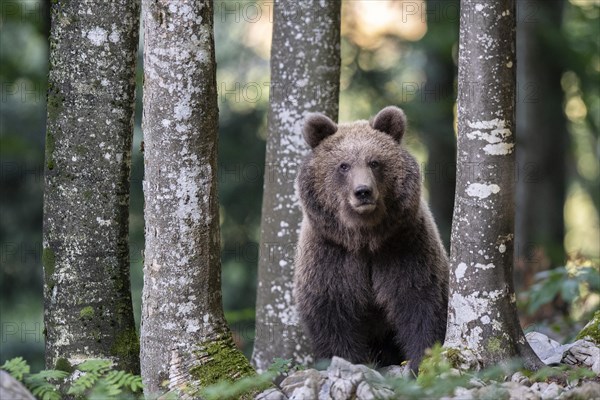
12 389
476 382
582 352
547 391
342 389
310 378
548 350
492 392
271 394
551 392
518 377
539 386
585 353
340 368
366 391
353 381
588 390
325 390
305 393
517 391
395 371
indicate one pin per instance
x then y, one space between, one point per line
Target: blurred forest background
393 52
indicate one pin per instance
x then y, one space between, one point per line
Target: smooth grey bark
185 339
305 75
91 96
541 137
482 313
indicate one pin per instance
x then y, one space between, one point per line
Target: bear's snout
363 193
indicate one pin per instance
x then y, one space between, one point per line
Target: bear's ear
316 128
390 120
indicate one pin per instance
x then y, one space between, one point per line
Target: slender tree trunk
437 101
184 336
542 139
91 96
482 304
305 74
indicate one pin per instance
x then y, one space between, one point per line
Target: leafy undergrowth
561 299
225 390
92 379
437 378
96 380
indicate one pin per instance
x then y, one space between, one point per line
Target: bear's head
358 175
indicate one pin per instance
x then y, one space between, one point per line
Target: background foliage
389 54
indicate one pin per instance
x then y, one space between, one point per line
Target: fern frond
17 367
45 391
99 366
83 383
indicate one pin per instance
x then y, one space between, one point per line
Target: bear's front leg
417 327
414 306
332 297
334 329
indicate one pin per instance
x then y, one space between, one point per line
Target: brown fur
371 272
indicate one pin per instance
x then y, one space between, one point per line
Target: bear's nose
363 192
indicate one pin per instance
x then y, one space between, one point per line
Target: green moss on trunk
50 145
454 357
62 364
126 345
86 313
494 345
221 361
49 263
592 330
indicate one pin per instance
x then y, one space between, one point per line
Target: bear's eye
344 167
374 164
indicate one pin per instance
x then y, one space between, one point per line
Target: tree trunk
542 139
91 96
184 336
437 101
305 75
482 305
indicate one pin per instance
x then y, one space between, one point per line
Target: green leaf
16 367
545 293
591 276
136 384
48 374
280 365
95 365
569 290
83 383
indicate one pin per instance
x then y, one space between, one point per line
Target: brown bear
371 278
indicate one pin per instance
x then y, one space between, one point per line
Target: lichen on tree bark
305 74
482 303
91 97
184 335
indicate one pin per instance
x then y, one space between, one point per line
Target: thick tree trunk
542 139
482 305
305 75
185 339
91 96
